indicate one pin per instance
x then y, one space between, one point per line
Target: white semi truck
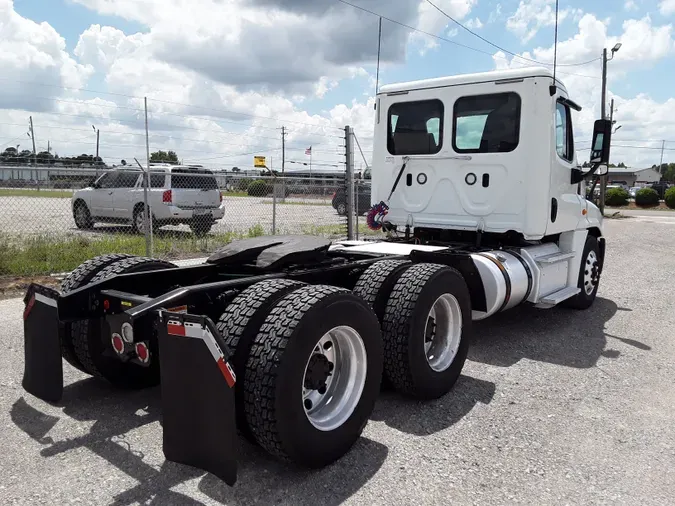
288 339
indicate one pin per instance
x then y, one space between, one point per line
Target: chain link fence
54 218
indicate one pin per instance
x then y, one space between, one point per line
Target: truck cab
491 152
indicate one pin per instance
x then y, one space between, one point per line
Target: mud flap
197 385
42 334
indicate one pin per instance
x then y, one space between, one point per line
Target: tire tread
266 353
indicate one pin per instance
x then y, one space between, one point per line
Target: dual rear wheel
310 359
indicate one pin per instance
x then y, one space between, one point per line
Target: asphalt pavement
553 407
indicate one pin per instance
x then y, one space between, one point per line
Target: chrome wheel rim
140 221
334 377
443 332
590 272
80 215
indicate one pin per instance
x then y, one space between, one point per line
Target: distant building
630 176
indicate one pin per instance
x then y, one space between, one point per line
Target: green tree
164 156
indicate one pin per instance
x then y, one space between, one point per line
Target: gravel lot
36 215
553 407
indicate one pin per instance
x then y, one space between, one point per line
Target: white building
630 176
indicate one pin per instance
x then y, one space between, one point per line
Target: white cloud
667 7
641 117
630 5
532 15
33 52
474 23
496 14
432 21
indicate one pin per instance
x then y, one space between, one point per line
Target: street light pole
603 115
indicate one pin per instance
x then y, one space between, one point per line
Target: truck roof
474 78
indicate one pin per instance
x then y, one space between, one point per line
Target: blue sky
134 50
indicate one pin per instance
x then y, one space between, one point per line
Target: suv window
415 128
193 179
486 123
564 140
127 179
108 180
157 180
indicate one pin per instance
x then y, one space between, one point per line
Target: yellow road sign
259 161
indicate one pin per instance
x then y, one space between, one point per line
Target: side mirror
602 170
602 135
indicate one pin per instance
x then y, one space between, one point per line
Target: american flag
308 151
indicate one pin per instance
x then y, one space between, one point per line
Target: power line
444 39
506 50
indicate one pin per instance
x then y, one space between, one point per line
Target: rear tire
341 208
377 281
430 306
95 352
285 366
77 279
138 222
239 325
200 229
589 276
375 285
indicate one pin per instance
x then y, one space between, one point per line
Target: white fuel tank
507 280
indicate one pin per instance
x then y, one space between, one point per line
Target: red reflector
118 343
106 304
29 307
142 352
227 371
167 197
175 329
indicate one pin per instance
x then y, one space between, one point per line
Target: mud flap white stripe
195 330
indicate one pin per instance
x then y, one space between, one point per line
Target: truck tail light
221 197
167 197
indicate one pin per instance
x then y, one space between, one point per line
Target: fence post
349 176
275 188
148 210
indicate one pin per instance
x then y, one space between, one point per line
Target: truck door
467 165
565 203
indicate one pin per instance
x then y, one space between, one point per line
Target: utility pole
603 115
663 146
148 211
283 149
32 136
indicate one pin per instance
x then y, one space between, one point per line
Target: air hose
379 211
376 215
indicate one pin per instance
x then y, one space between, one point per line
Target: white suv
178 194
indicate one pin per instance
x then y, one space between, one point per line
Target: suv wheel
138 221
341 208
82 216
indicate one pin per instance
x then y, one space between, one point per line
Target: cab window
486 123
415 128
564 140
